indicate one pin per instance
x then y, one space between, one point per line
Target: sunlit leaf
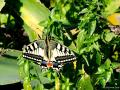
26 84
3 20
57 83
101 69
34 14
115 65
2 3
92 27
109 36
84 82
107 64
66 85
80 39
32 35
109 9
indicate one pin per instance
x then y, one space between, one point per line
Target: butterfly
48 54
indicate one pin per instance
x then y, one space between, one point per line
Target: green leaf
104 77
80 39
102 82
32 35
36 85
104 67
107 64
39 87
57 83
116 54
91 39
66 85
26 84
98 58
59 13
101 69
85 10
111 7
92 27
86 60
104 73
109 36
3 19
8 67
108 75
34 15
2 4
115 65
84 83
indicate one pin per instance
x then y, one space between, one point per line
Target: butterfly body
48 54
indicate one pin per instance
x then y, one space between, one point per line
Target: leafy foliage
81 25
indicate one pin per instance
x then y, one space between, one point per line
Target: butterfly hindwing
61 53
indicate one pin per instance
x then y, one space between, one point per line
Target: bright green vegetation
81 25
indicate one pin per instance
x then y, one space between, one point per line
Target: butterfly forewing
34 51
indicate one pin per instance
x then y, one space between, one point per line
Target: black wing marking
65 59
33 57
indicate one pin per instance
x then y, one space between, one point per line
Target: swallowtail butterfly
48 54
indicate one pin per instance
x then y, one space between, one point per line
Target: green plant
83 24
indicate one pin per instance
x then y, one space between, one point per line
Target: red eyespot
49 64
